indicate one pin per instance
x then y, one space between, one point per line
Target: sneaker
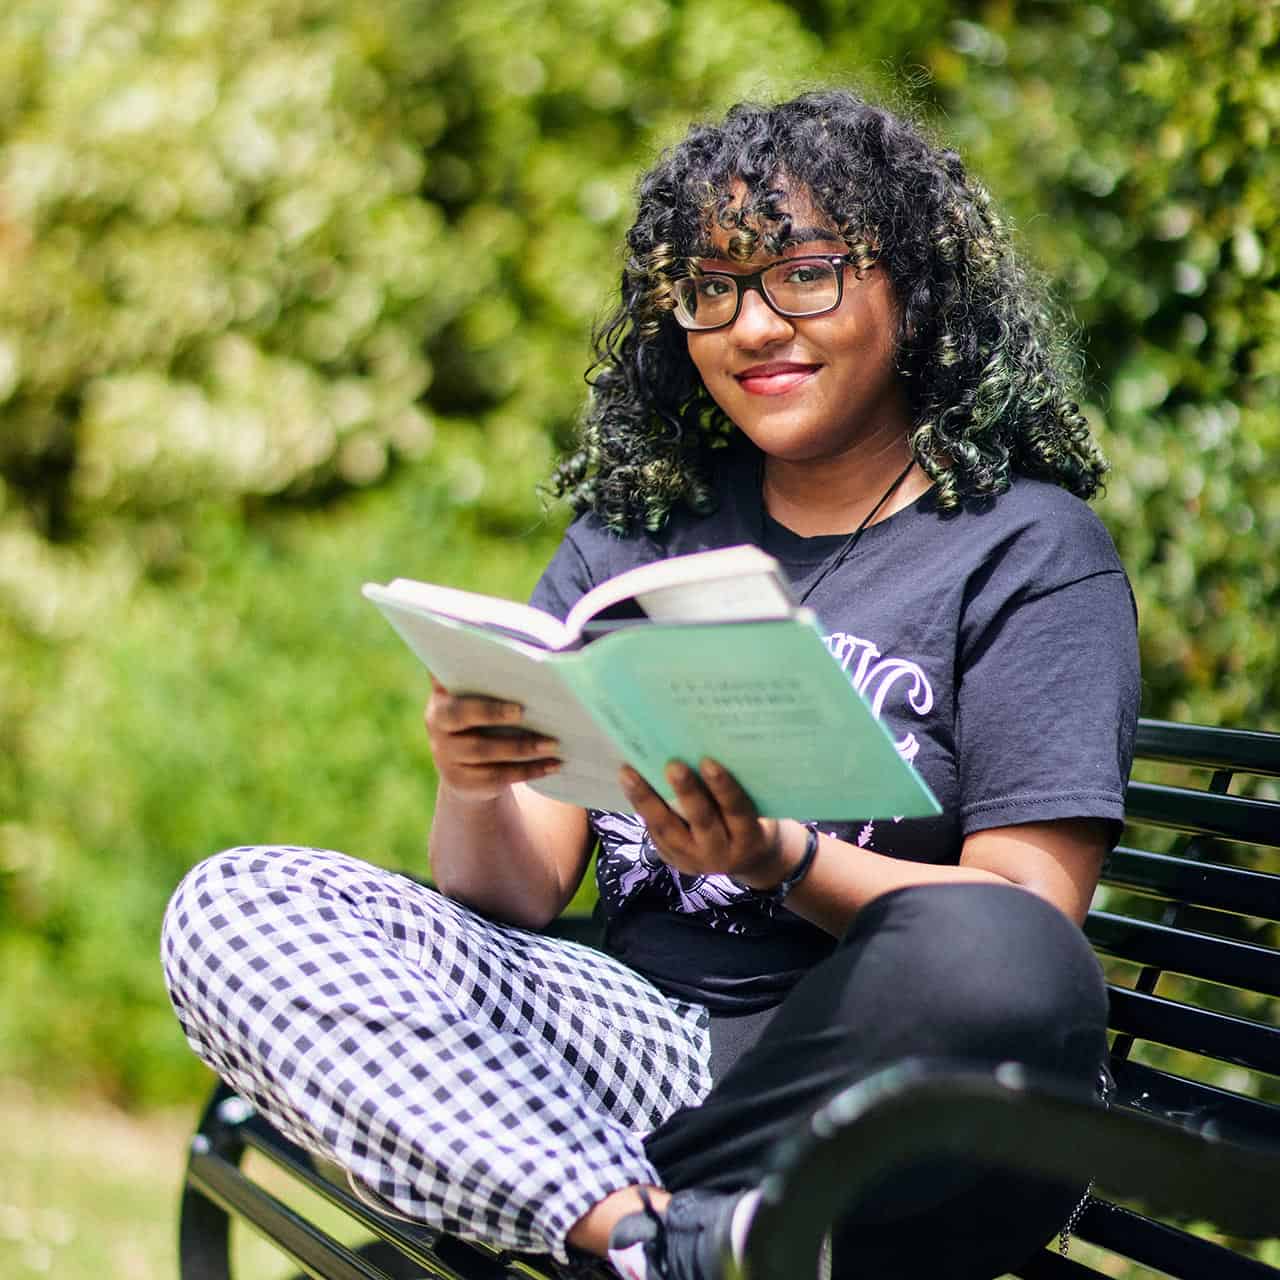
700 1235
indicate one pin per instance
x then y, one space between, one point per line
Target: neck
834 495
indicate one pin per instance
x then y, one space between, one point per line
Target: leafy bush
1139 143
295 293
255 257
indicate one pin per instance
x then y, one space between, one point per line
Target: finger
455 713
666 826
737 810
484 776
480 746
695 802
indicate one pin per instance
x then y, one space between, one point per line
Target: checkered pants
485 1080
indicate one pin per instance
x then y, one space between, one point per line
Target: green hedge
1139 144
295 294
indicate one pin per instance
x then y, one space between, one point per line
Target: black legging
986 973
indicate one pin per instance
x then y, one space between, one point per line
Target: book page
707 586
520 620
753 596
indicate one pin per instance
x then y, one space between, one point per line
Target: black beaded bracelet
797 873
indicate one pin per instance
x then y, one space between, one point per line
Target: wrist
771 864
792 856
467 800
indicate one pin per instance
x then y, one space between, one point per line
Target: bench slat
1240 750
1053 1266
306 1244
1203 1107
441 1256
416 1242
1165 1248
1196 955
1213 1035
1203 884
1238 818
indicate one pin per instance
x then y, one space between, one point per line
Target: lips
775 378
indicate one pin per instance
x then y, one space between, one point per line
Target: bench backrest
1187 921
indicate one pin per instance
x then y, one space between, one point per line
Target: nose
758 324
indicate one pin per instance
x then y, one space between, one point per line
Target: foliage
295 293
265 702
256 257
1140 143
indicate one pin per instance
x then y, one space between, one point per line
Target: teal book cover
766 699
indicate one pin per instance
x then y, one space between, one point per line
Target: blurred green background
296 293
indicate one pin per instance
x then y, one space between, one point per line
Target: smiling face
813 388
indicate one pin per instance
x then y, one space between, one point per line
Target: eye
805 273
711 288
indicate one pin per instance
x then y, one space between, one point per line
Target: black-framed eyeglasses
793 287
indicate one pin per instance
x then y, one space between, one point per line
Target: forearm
510 861
715 828
1057 860
844 878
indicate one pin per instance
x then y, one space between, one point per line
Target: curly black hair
983 354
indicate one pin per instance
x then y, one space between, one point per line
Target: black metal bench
1185 1162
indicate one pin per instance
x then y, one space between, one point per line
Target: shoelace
660 1225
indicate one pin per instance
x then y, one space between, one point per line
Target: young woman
823 346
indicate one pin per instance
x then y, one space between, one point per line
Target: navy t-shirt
998 644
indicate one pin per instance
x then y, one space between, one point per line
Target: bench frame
1185 1150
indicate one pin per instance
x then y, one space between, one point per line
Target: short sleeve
588 555
1047 707
565 580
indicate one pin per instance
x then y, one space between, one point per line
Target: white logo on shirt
876 677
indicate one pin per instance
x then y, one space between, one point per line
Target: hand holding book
711 827
480 745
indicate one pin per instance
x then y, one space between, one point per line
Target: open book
698 655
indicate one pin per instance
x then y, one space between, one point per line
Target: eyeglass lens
793 287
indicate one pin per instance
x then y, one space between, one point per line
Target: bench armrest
1021 1120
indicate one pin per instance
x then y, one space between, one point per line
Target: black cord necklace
846 547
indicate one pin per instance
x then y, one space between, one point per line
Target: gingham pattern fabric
485 1080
